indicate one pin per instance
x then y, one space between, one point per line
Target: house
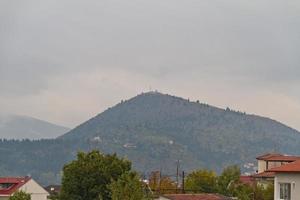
193 197
287 181
269 161
9 185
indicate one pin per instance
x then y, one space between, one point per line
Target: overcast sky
66 60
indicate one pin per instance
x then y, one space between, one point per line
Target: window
5 186
285 191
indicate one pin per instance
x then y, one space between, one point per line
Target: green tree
244 192
269 192
201 181
228 179
253 192
88 177
20 195
128 187
264 192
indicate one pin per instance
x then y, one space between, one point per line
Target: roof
8 185
265 156
278 157
249 180
293 167
264 175
196 197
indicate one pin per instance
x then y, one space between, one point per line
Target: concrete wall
293 179
262 166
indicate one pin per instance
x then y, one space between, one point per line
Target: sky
65 61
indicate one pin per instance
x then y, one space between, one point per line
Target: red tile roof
249 180
264 175
283 158
12 183
265 156
196 197
293 167
278 157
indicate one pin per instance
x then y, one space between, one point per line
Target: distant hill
24 127
154 130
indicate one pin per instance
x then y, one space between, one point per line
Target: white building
10 185
287 181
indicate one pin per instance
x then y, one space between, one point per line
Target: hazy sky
67 60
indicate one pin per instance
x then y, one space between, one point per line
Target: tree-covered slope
155 129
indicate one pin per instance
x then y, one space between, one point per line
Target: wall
37 192
261 166
294 179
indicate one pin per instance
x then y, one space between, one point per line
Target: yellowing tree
201 181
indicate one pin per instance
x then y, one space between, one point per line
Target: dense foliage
89 176
153 130
203 181
227 183
20 195
128 187
228 179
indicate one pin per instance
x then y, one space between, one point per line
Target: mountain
155 130
23 127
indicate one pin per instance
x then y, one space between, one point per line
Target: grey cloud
235 41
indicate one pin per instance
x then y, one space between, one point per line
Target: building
193 197
287 181
269 161
10 185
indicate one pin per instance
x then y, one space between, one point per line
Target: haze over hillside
24 127
154 130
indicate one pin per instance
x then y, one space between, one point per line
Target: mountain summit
154 129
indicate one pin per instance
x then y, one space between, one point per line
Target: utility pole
183 191
177 176
159 187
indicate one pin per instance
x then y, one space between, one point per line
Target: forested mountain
154 130
24 127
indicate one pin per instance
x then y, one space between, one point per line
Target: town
277 177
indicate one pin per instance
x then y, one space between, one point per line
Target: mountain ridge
191 127
154 130
183 100
14 126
